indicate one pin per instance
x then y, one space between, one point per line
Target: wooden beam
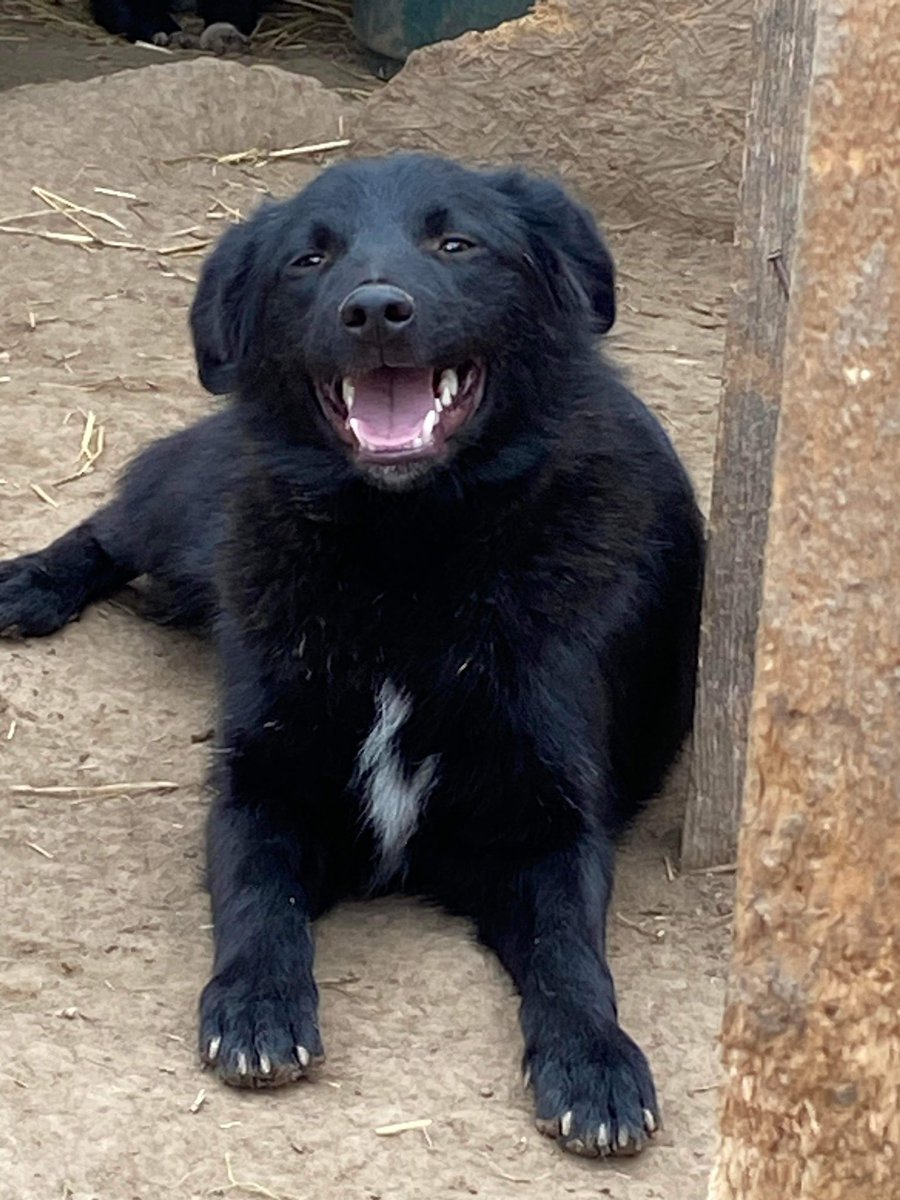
811 1031
747 424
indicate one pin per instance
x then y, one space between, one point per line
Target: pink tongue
390 405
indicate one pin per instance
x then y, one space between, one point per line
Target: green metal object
395 27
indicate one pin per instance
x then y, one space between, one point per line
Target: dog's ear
566 244
225 307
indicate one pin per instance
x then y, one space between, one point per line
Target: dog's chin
397 423
396 477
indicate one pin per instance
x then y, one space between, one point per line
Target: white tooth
349 394
354 426
429 423
446 397
418 443
449 380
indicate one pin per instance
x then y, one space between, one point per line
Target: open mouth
400 414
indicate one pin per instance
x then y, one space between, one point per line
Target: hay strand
39 850
402 1127
252 1188
42 495
96 790
67 207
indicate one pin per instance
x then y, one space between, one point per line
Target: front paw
593 1090
258 1032
222 38
33 602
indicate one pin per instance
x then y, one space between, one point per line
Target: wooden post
811 1032
747 424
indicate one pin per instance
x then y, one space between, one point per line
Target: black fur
152 20
533 592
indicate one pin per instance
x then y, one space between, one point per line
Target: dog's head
397 310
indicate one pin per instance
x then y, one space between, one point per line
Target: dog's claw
212 1049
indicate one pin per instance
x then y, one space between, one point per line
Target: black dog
453 568
228 23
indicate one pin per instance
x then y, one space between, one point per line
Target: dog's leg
40 592
258 1013
138 20
593 1088
164 522
269 876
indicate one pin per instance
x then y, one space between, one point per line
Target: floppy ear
566 244
225 306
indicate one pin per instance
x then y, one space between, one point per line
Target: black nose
377 310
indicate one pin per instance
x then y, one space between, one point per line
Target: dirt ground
106 941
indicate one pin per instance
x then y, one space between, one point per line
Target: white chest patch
393 796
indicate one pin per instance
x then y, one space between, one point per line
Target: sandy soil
106 935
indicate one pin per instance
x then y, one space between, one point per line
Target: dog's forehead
405 190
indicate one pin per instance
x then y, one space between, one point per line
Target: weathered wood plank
747 425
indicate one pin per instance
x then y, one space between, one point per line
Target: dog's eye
455 245
305 262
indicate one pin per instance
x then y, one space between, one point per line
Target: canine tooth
354 426
450 380
446 397
349 394
429 423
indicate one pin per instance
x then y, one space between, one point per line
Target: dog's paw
258 1034
593 1091
222 38
31 601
